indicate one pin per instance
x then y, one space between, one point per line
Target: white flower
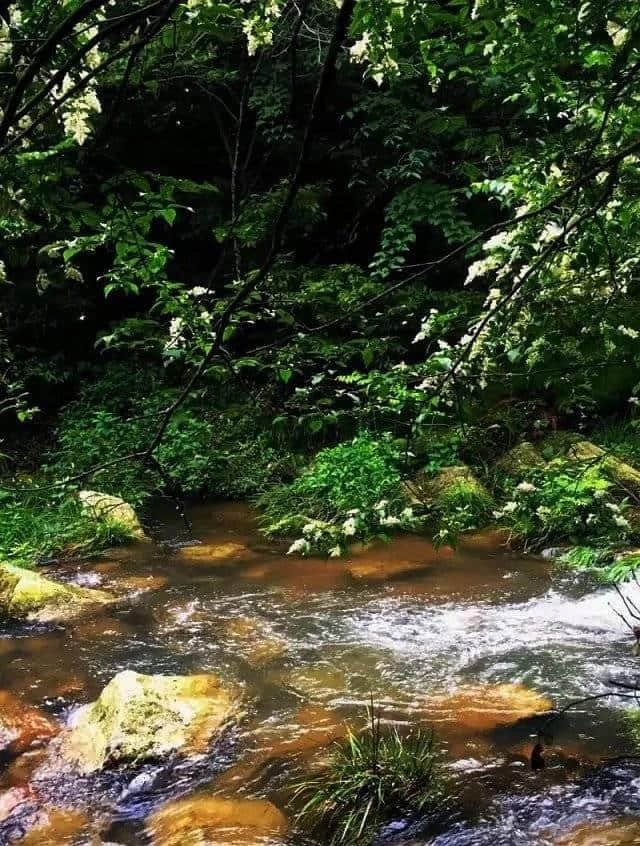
629 332
526 487
198 291
381 505
612 507
543 512
551 232
390 520
619 520
301 545
509 507
634 400
407 514
335 552
310 527
349 527
618 34
599 494
358 51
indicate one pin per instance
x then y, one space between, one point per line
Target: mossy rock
450 487
106 507
26 595
571 447
520 460
147 717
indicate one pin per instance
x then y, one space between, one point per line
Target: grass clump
351 492
35 527
373 777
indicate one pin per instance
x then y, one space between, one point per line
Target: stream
402 622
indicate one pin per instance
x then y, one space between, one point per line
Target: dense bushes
207 450
351 491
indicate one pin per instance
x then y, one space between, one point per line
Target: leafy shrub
351 491
603 562
205 450
564 501
371 778
34 527
464 506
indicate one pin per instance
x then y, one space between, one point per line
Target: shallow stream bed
421 630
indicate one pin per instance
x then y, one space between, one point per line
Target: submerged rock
55 827
622 832
486 707
215 819
519 460
139 717
22 727
26 595
106 507
206 553
257 645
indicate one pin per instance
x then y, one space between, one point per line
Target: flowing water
421 630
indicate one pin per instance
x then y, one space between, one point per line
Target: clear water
403 622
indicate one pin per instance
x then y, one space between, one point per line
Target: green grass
372 777
35 527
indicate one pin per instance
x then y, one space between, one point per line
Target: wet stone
622 832
207 820
253 639
22 727
487 707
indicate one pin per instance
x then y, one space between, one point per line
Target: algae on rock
141 717
26 595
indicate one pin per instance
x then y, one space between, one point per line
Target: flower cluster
78 109
333 538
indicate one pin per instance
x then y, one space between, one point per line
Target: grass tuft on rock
373 777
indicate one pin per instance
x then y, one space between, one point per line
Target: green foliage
206 450
464 506
372 777
38 526
603 562
566 501
350 492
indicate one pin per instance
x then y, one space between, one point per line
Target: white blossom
301 545
526 487
349 527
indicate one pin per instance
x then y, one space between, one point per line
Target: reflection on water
422 629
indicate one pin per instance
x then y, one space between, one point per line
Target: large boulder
26 595
519 460
106 507
139 717
22 727
573 447
214 819
448 487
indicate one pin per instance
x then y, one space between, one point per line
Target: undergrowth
350 492
36 527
